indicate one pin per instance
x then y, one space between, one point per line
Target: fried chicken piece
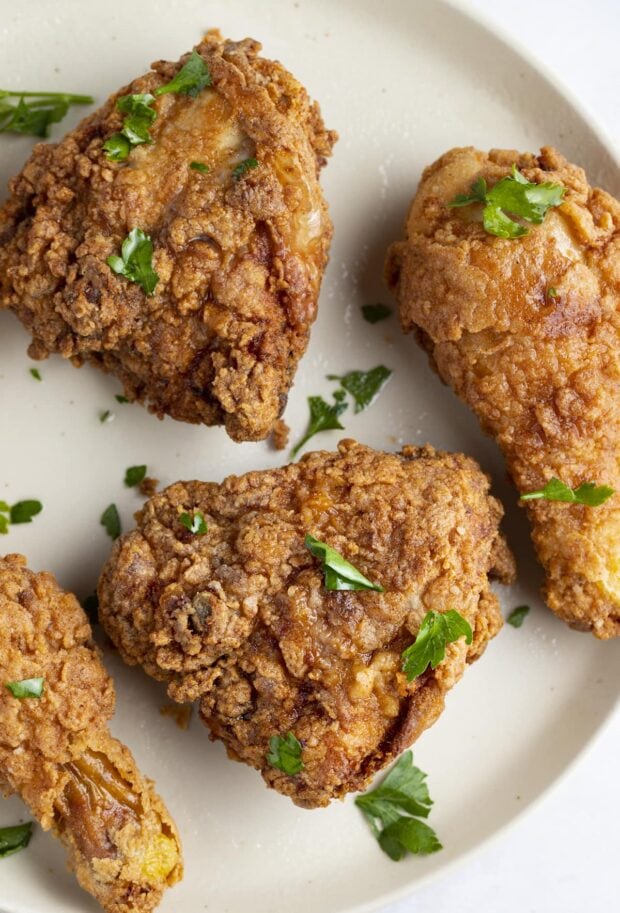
239 618
240 257
527 332
56 752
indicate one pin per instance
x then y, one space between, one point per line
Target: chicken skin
226 189
56 751
239 617
527 332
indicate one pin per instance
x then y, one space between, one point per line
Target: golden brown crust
239 617
58 755
240 261
541 373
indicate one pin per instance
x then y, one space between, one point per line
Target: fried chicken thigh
240 242
239 618
527 332
56 751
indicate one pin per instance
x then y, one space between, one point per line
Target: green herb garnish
587 493
111 521
199 166
243 167
393 808
429 648
323 417
136 261
517 616
120 398
27 687
514 194
36 373
105 416
191 78
14 838
339 574
285 754
552 292
373 313
364 386
195 523
134 475
24 511
35 117
136 126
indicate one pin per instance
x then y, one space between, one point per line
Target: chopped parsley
14 838
191 79
285 754
323 417
243 167
139 115
587 493
120 398
373 313
364 386
438 629
552 292
136 261
339 574
393 810
34 117
27 687
512 194
134 475
21 512
517 616
111 521
194 522
199 166
105 417
36 373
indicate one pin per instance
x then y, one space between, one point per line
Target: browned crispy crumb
57 753
239 259
280 434
181 714
240 620
148 486
540 370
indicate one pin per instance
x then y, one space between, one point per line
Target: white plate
402 82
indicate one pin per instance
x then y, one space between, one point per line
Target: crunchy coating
542 373
240 261
239 618
56 752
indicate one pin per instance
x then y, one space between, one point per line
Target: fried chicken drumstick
224 183
56 751
527 331
239 618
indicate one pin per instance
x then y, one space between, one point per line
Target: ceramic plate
401 82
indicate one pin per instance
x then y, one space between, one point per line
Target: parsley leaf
517 616
35 117
105 417
136 126
15 838
24 511
339 574
587 493
195 523
136 261
134 475
191 78
27 687
552 292
514 194
36 373
323 417
285 754
117 147
373 313
364 386
120 398
199 166
111 521
243 167
393 807
429 648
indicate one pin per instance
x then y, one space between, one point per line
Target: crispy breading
56 752
527 332
239 618
240 258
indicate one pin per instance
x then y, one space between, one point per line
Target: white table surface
563 856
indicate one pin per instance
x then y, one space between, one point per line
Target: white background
563 857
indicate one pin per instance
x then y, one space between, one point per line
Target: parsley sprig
518 615
139 115
20 512
323 417
512 194
136 261
285 754
338 572
393 810
134 475
373 313
587 493
364 386
243 167
111 521
34 117
191 79
14 838
194 522
27 687
438 629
